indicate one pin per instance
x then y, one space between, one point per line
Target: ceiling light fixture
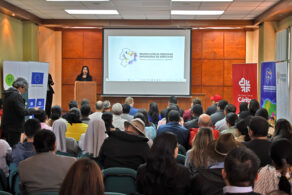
203 0
102 12
195 12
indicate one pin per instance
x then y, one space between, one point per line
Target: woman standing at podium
84 75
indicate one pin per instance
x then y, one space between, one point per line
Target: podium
85 89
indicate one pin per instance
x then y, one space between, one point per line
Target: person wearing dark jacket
14 111
209 180
161 174
84 75
50 92
240 172
127 148
196 111
173 126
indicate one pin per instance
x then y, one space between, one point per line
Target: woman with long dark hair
84 75
84 177
107 117
153 113
283 129
161 174
278 176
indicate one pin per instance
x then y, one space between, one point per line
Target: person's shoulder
67 159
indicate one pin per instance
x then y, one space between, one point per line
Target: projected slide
146 58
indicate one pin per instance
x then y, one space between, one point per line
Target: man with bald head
98 112
204 121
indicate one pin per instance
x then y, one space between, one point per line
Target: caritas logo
243 99
245 85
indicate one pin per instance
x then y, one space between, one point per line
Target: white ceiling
146 9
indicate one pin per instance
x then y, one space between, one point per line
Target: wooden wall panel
228 71
67 95
213 52
196 72
92 44
227 94
234 45
212 72
210 91
72 44
197 44
212 44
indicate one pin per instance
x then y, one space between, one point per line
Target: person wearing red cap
213 108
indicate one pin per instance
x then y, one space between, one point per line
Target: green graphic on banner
9 80
271 108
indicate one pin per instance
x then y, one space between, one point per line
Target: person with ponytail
278 176
161 174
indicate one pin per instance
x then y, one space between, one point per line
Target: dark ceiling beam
277 12
12 10
146 23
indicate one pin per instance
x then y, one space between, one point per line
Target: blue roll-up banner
268 89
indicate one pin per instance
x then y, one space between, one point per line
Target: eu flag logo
37 78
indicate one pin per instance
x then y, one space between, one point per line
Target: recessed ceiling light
77 0
195 12
203 0
80 11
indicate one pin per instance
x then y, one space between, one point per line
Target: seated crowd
220 151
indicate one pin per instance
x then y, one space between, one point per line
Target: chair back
14 179
113 193
4 193
64 154
121 180
3 181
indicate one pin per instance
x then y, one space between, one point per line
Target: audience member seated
94 137
85 111
126 110
107 117
75 127
209 180
240 171
278 176
42 117
24 150
63 143
56 113
213 108
174 127
197 156
264 113
5 151
127 148
259 142
83 178
243 110
106 106
196 111
161 174
172 101
153 113
130 101
221 125
230 121
253 106
242 131
163 121
83 102
204 121
219 114
188 113
118 122
45 170
150 130
72 104
282 130
99 110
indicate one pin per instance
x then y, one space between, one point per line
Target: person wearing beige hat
209 180
127 148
